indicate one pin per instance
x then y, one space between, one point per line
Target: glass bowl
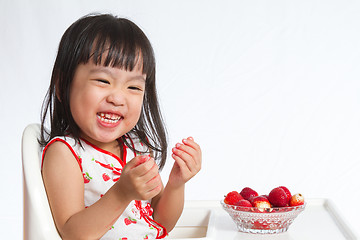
262 220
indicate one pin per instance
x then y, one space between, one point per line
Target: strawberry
106 177
232 198
247 193
287 191
244 203
261 202
251 200
297 200
143 159
278 197
129 221
86 177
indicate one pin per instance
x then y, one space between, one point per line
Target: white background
270 89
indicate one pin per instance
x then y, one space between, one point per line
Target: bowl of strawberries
264 214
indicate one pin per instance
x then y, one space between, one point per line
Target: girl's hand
187 164
140 179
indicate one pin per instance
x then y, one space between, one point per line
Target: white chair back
38 221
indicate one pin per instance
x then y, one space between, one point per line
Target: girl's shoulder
60 147
63 142
68 140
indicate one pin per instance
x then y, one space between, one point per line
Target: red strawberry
251 200
142 159
232 198
297 200
127 221
106 177
87 177
244 203
261 202
278 197
247 193
287 191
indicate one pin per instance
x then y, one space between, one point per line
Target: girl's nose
117 98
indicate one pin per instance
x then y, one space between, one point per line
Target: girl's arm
168 205
64 185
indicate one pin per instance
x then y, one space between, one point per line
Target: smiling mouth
109 117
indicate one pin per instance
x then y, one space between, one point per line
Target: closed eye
135 88
103 81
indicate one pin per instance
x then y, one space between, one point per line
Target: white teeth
112 116
109 117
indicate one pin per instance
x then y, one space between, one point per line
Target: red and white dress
101 169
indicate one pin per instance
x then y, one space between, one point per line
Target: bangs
117 42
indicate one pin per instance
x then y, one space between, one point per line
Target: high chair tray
206 220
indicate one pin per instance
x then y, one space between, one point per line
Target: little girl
107 142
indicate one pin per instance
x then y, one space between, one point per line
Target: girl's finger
150 173
143 168
193 153
154 182
190 142
193 147
185 158
185 148
182 165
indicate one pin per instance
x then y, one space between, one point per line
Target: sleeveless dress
101 169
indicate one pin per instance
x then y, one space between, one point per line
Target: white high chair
38 221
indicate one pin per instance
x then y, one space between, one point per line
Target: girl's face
106 102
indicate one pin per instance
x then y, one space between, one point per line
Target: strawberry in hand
140 179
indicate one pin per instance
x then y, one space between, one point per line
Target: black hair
126 46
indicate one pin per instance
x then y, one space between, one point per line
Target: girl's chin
102 138
108 138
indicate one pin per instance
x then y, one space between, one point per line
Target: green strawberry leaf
87 174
